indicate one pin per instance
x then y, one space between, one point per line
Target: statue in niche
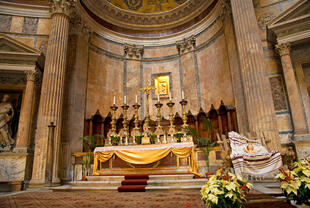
6 115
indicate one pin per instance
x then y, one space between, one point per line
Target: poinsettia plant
295 182
225 189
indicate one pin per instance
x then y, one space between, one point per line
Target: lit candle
182 95
136 98
169 95
158 97
125 99
114 100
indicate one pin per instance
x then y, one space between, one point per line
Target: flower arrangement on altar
295 182
178 135
115 138
152 137
225 189
139 138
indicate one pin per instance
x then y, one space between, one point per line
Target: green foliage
205 144
90 142
115 138
139 138
178 135
152 137
87 161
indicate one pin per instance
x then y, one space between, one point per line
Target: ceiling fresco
147 6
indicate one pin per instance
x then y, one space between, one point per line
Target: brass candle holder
136 130
113 122
159 129
171 130
125 123
183 102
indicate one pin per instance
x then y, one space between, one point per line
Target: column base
21 150
36 183
302 144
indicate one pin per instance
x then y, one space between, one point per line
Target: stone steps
155 183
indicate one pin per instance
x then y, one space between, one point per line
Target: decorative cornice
146 21
78 25
226 10
187 44
283 49
133 51
61 6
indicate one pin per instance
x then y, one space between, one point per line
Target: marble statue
6 115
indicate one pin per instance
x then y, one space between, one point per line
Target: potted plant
115 138
91 142
204 144
295 182
139 138
152 137
225 189
87 161
178 135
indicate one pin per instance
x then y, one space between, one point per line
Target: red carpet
134 183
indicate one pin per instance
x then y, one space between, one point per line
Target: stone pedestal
50 108
296 106
256 86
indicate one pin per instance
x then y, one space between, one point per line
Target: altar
144 155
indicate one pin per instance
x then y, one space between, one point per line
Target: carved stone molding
33 75
226 10
278 93
61 6
133 51
187 44
78 25
283 49
264 19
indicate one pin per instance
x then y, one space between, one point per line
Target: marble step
151 177
95 183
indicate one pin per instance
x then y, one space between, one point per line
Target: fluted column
257 89
23 134
292 89
50 108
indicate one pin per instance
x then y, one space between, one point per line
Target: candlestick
170 96
171 127
183 102
125 129
182 95
159 129
136 130
113 122
136 98
125 99
158 97
114 100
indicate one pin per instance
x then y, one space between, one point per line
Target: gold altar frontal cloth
146 154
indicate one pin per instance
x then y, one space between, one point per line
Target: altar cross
147 90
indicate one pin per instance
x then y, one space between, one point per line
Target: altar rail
223 120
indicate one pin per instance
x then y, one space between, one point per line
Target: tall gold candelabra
183 102
171 127
136 130
113 122
159 129
125 123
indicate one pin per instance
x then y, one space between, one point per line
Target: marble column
256 85
296 107
50 107
23 134
189 72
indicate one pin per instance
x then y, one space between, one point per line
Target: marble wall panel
206 35
132 84
160 51
17 24
112 47
284 122
12 167
5 23
215 75
44 26
164 67
105 80
190 83
30 25
29 41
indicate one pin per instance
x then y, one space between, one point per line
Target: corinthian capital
61 6
132 51
283 49
186 44
33 75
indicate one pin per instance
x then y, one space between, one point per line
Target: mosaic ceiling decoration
147 6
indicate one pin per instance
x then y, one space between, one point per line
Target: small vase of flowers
178 135
295 182
225 189
139 138
115 138
152 137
